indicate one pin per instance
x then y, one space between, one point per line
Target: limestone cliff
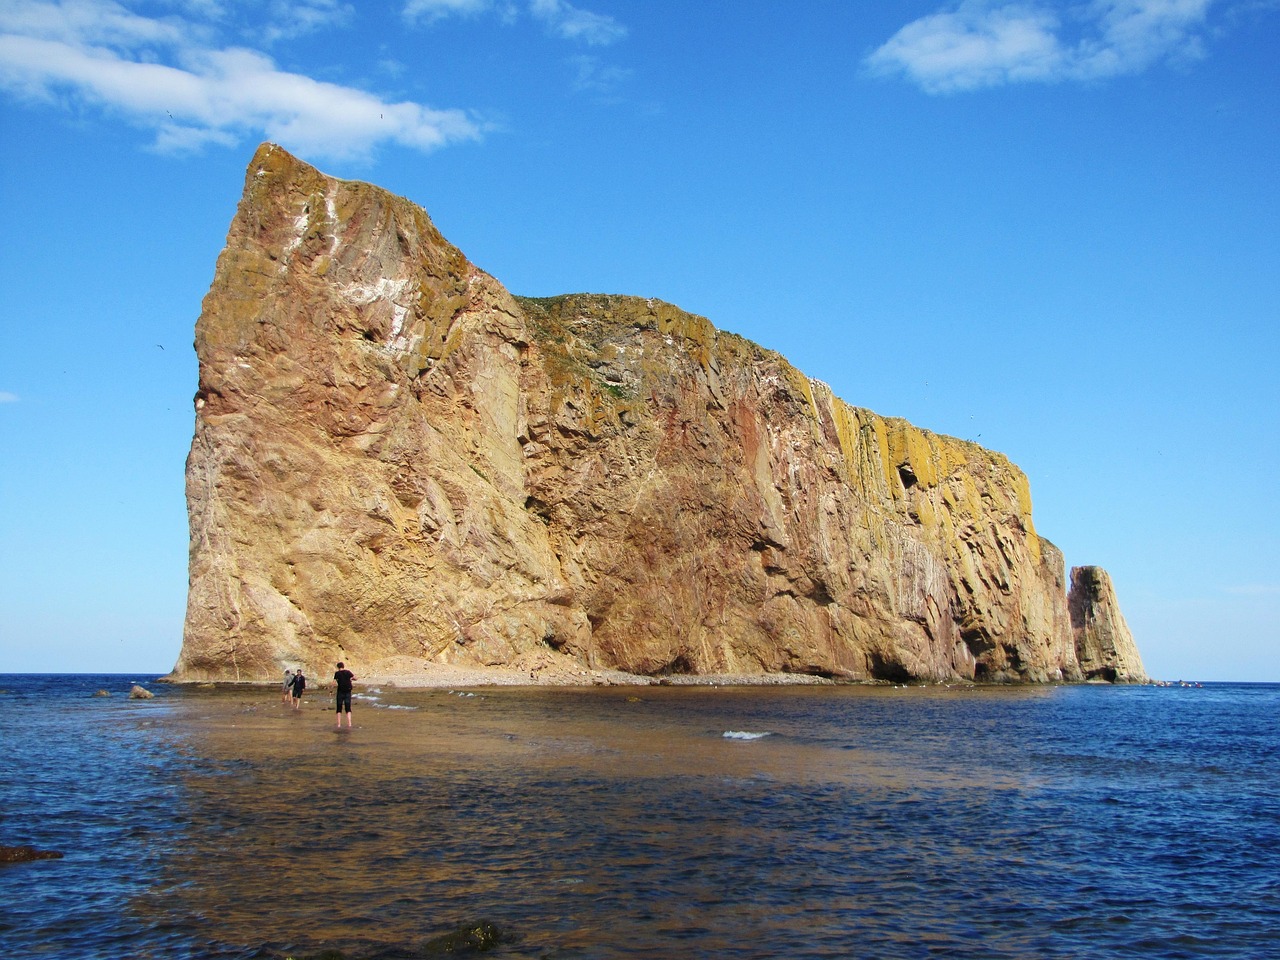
1104 645
394 456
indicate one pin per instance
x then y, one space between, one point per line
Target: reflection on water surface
621 823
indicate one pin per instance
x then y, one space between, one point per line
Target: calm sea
797 822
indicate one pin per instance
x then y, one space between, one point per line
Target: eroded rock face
394 456
1104 645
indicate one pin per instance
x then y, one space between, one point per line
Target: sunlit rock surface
395 457
1104 645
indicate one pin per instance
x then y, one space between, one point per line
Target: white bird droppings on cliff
361 294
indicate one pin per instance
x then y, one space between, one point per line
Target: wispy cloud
571 23
1255 590
439 9
561 19
296 18
598 79
986 43
7 397
164 75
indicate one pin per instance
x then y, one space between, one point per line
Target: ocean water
798 822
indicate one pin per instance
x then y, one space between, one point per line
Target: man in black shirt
344 678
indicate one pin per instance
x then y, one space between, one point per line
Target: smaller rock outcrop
140 693
1104 646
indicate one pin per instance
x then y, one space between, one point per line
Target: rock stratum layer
395 457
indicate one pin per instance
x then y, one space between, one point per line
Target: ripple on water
866 823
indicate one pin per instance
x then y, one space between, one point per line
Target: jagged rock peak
1104 645
396 458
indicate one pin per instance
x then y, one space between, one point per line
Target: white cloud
1255 590
596 78
436 9
191 94
80 21
294 18
562 19
570 23
7 397
985 43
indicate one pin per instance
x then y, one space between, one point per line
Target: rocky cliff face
395 457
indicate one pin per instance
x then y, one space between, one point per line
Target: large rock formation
1104 645
394 456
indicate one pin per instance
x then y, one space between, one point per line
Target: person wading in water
343 678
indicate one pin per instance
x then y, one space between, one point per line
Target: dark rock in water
472 938
139 693
24 854
102 693
468 939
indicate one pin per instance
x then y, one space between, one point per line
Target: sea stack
1104 645
395 457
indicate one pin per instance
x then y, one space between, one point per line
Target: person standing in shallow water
286 692
343 678
299 684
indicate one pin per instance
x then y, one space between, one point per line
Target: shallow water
806 822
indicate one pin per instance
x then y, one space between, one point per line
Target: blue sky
1051 227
